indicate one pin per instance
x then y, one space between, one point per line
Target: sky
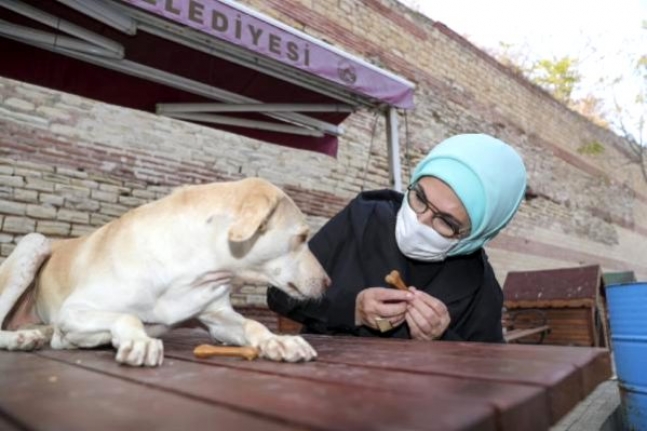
604 34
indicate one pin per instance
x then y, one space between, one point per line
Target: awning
214 62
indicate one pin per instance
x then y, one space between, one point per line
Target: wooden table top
355 384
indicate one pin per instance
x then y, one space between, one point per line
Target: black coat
358 249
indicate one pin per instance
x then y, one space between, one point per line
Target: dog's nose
326 283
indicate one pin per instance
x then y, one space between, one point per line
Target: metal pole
395 170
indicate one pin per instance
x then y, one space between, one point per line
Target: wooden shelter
571 301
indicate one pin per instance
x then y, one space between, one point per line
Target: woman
461 195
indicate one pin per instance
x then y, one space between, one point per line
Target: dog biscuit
394 279
207 350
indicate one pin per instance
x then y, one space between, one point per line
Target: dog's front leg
228 326
290 348
89 328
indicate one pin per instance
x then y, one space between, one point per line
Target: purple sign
238 27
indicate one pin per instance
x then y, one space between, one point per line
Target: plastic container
627 304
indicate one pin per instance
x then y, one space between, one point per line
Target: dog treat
207 350
394 279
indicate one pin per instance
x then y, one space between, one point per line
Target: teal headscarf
487 175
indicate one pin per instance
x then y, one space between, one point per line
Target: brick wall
68 164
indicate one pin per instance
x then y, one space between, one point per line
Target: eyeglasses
443 223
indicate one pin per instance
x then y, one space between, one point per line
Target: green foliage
641 71
558 76
642 63
592 148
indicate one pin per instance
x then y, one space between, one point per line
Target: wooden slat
558 371
518 406
516 334
584 359
50 395
548 303
562 383
322 406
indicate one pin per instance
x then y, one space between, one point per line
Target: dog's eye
303 237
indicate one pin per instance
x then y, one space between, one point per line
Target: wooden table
356 384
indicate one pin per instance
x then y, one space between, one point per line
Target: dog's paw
289 348
26 339
148 352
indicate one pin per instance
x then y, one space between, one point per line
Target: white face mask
418 241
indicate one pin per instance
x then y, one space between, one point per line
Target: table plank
563 384
322 406
44 394
517 406
567 373
594 362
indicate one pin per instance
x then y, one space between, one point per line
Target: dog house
570 301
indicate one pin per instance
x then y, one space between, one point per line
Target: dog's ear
252 216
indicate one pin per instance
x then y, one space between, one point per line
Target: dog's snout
327 282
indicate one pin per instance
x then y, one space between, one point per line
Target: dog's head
268 238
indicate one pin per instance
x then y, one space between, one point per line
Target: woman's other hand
426 316
381 303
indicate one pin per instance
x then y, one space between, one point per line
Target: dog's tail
18 271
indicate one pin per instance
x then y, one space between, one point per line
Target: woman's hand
426 316
381 303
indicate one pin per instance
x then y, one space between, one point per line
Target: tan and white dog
157 266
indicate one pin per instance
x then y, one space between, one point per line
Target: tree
560 76
633 126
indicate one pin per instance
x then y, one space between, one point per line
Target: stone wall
68 164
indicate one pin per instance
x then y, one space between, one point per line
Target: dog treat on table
394 279
207 350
